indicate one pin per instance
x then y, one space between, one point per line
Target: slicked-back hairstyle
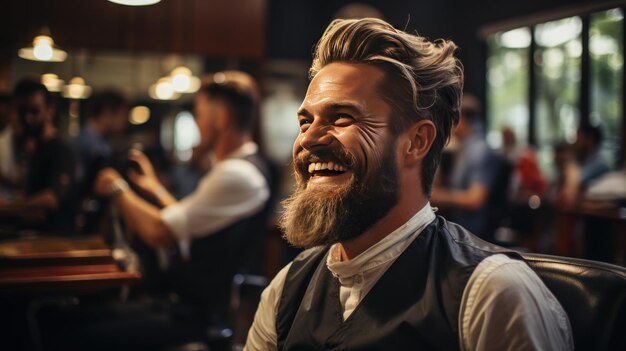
239 92
423 79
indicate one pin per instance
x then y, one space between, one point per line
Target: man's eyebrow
343 106
304 112
332 107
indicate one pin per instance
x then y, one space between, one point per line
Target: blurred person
381 270
527 178
473 170
527 186
9 166
49 178
107 117
218 227
563 191
592 166
587 147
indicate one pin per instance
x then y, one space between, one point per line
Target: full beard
315 217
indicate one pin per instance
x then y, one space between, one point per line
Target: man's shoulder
463 237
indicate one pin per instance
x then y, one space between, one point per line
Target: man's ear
419 138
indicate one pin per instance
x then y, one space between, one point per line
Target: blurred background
539 70
544 82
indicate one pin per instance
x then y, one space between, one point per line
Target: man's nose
316 135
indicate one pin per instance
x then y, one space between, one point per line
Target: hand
147 179
104 181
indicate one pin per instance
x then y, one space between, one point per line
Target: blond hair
423 79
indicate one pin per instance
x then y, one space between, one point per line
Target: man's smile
328 171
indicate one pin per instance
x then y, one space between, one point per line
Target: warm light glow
139 115
52 82
181 79
42 47
163 90
43 50
77 89
135 2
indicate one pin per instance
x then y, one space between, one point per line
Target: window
606 49
544 81
557 60
507 81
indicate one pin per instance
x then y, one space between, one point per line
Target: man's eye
343 119
304 124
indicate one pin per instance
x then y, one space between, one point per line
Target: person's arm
142 216
262 334
506 306
471 199
481 172
234 189
147 179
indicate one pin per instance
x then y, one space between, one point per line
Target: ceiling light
43 49
163 90
135 2
139 115
183 81
52 82
76 89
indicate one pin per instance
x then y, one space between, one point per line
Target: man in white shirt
382 272
218 226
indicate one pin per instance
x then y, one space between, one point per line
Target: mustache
338 155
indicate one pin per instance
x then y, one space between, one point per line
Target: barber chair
592 293
245 296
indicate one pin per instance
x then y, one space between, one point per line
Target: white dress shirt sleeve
506 306
262 334
233 190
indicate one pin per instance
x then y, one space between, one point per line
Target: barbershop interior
159 160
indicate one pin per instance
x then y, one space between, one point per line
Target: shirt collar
389 248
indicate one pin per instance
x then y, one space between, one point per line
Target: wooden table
59 265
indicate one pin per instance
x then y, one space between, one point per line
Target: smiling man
381 270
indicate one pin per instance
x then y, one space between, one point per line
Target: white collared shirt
505 306
232 190
358 275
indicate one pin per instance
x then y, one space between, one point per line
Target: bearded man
382 272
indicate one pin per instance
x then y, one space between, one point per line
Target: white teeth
319 166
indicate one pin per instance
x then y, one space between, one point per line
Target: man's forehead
344 81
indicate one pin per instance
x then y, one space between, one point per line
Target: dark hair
108 100
592 132
237 90
26 88
423 79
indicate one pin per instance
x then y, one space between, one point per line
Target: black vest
204 282
414 305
